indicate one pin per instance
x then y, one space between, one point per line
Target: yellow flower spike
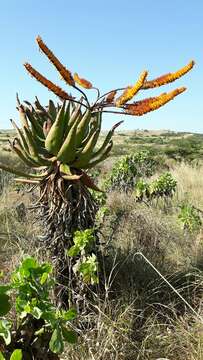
131 91
65 73
168 78
51 86
82 82
142 107
122 99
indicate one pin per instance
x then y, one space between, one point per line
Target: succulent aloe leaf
16 171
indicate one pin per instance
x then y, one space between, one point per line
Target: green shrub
189 217
86 265
163 187
40 325
129 169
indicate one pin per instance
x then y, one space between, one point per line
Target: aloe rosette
61 139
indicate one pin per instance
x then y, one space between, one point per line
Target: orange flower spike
131 91
110 97
51 86
138 106
65 73
142 107
82 82
168 78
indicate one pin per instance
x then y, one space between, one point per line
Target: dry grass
112 338
109 335
178 339
158 234
190 183
18 230
141 319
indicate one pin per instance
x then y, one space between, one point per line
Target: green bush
86 265
190 218
129 169
40 325
163 187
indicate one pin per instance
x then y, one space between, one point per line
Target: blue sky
110 43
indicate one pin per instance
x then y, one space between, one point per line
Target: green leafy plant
163 187
41 326
127 170
16 355
87 268
141 191
190 217
82 240
86 265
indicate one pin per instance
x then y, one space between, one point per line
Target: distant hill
175 145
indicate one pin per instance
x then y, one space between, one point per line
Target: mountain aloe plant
59 144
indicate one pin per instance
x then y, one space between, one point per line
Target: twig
169 284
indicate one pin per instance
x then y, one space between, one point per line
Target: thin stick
171 286
78 102
116 112
83 93
98 92
107 93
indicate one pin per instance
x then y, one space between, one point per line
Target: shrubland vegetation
100 258
140 317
